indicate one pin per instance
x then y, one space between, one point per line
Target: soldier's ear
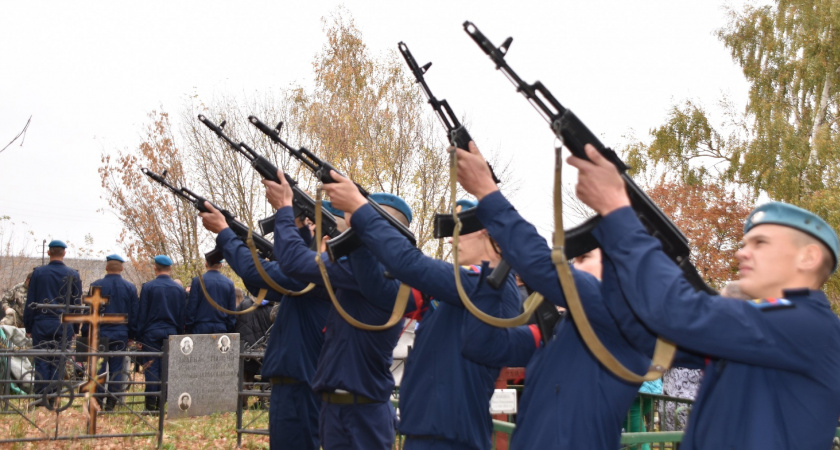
810 258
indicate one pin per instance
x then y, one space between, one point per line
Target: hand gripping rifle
447 224
302 203
575 135
264 247
458 137
347 241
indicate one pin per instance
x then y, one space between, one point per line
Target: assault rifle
459 137
574 135
264 247
347 241
302 203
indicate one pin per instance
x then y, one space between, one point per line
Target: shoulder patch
472 269
770 304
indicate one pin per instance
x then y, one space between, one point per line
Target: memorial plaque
203 374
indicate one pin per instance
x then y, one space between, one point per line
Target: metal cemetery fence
67 400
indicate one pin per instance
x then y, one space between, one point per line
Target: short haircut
162 268
113 266
55 251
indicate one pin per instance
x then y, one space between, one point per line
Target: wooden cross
94 319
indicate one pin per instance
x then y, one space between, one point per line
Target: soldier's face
471 247
589 262
767 261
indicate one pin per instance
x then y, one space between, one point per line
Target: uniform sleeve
405 261
77 297
239 259
142 313
498 347
298 261
717 326
523 248
28 312
373 284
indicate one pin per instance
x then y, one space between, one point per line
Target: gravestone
203 374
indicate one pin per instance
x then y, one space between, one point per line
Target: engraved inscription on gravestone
203 374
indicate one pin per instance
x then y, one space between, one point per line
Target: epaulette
770 304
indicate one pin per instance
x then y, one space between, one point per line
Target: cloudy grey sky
89 72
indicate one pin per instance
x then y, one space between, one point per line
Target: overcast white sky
89 72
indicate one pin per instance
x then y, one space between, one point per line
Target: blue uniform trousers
115 367
357 427
153 372
293 417
47 368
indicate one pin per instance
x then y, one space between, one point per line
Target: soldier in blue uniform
773 380
293 346
50 284
353 376
122 299
570 400
161 314
445 393
201 316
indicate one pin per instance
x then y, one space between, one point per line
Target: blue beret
326 204
114 257
56 243
394 202
466 204
778 213
163 260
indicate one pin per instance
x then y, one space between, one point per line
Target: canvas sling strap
402 295
663 353
531 303
249 241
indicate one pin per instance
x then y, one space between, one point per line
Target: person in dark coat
202 317
122 299
294 344
49 285
161 314
772 372
353 376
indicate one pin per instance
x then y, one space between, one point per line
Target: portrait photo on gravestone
203 375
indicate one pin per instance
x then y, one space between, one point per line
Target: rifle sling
531 303
402 295
249 242
663 353
257 303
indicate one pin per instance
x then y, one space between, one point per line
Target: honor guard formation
346 276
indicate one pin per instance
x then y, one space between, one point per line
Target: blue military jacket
570 400
354 360
161 310
47 286
298 333
445 391
775 382
201 316
122 299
